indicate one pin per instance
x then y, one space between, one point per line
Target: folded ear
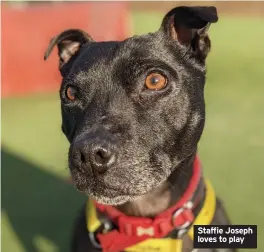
69 43
189 25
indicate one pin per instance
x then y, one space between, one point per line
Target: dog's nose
95 154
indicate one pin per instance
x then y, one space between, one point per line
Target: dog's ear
189 25
69 43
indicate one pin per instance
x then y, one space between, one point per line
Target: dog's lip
114 201
109 187
118 193
100 188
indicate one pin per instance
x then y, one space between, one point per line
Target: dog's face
133 110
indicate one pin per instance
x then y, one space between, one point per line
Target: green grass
38 207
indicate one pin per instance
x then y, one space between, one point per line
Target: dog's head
133 110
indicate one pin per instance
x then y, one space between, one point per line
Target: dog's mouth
106 194
114 190
112 197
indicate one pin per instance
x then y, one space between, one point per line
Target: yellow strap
160 245
207 212
93 223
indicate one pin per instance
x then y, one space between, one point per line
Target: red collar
132 230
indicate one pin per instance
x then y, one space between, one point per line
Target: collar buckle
183 218
93 240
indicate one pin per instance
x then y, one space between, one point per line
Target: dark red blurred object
27 30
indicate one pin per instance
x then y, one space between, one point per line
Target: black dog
133 112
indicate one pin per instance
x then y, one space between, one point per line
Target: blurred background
38 206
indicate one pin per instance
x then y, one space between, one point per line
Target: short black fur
130 146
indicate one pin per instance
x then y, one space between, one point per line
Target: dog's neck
164 196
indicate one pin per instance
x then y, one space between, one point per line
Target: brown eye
70 93
155 81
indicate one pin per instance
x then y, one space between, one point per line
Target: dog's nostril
83 159
102 156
